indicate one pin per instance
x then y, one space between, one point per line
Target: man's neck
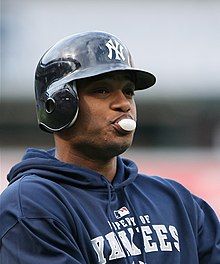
106 168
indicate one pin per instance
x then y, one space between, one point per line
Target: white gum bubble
127 124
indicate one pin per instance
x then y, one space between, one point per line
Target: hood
44 164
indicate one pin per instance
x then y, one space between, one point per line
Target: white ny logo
117 48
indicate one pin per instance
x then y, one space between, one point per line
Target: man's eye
130 92
102 90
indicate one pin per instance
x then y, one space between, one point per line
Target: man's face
103 101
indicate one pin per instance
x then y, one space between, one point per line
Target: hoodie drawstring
109 215
109 201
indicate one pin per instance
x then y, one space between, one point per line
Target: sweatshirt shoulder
11 209
169 190
34 197
164 183
29 197
195 207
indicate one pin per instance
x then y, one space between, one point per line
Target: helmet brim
143 79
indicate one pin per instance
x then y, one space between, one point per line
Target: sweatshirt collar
44 164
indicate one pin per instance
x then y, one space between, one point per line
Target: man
81 202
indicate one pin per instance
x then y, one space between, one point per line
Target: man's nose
120 102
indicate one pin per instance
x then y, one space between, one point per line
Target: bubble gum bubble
127 124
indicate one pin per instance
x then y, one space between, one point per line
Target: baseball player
81 202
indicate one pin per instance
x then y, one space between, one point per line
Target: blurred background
178 134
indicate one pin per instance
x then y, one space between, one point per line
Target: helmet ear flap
60 107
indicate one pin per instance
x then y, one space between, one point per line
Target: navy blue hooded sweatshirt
53 212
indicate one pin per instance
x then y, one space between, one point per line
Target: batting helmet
75 57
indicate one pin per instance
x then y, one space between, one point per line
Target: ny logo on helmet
117 48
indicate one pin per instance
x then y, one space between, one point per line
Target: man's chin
99 148
113 150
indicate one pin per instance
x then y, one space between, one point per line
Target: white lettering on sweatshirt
122 240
